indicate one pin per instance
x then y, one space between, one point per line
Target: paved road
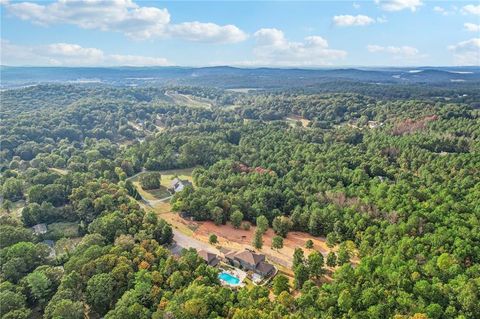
183 241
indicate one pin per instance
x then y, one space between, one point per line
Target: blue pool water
229 279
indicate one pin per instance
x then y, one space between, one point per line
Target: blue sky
241 33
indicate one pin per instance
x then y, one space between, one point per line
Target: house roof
230 254
179 187
264 267
250 257
207 256
40 228
174 182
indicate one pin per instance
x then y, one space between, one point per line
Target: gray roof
40 229
174 182
207 256
264 267
250 257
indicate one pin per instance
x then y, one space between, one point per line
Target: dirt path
154 202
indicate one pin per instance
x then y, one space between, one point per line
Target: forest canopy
396 176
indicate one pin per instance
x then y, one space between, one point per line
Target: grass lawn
59 171
163 209
152 194
15 210
190 100
64 229
183 174
293 119
166 179
65 245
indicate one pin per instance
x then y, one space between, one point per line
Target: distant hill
231 77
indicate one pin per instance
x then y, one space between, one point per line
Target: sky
240 33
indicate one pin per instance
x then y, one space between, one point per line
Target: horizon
286 67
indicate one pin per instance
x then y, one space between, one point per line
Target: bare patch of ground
239 239
59 171
292 119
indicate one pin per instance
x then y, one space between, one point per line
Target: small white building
39 229
178 185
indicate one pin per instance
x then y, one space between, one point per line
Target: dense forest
394 174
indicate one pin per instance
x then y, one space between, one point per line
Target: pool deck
240 274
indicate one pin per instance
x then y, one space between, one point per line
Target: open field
15 209
64 229
189 100
66 245
293 119
166 179
183 174
59 171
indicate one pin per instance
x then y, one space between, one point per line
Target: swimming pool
229 279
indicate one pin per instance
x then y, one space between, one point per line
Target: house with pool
250 261
238 265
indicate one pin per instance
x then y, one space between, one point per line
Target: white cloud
444 11
471 9
466 52
472 27
123 16
349 20
402 52
66 54
207 32
440 10
273 48
399 5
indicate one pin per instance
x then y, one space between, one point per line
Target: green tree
236 218
10 235
309 244
10 301
315 264
257 239
277 242
281 225
100 292
331 259
345 300
343 256
12 189
7 205
40 287
150 180
217 215
301 275
280 284
445 262
68 309
331 239
262 223
213 239
298 257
